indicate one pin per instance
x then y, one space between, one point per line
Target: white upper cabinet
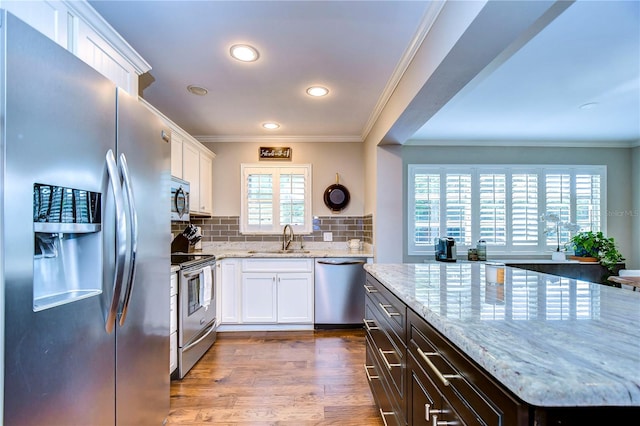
176 154
51 18
77 27
197 169
206 182
191 173
193 162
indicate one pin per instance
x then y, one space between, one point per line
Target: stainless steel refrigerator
85 242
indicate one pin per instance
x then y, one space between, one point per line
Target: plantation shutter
274 196
524 209
493 209
426 209
558 201
260 200
292 198
457 194
588 201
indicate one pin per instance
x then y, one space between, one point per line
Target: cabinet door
176 154
50 18
191 173
206 184
259 297
173 352
295 298
229 291
97 52
173 321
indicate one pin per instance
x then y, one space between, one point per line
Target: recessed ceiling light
244 52
197 90
317 91
589 105
270 125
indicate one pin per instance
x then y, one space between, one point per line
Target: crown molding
426 23
92 18
526 143
277 139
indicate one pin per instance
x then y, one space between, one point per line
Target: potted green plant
589 244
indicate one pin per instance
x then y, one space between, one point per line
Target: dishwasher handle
341 262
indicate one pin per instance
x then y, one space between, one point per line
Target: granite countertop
552 341
248 250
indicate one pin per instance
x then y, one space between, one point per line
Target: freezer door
142 373
59 122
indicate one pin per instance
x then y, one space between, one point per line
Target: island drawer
470 393
390 408
428 406
390 351
394 309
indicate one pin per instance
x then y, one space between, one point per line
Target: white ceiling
589 54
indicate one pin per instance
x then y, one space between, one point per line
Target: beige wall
619 177
326 159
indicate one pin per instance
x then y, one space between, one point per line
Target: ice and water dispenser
67 260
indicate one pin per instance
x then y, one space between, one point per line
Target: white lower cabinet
266 291
295 297
259 301
173 324
229 287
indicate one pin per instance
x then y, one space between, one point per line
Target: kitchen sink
278 251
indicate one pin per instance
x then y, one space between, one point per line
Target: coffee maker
445 248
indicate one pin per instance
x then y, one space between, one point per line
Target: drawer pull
385 413
444 378
368 327
437 422
428 412
369 376
370 289
389 314
386 361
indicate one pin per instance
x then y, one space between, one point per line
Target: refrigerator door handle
133 232
121 240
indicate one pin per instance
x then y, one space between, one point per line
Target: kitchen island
556 346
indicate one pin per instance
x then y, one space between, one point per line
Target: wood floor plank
301 378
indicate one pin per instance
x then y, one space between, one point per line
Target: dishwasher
339 292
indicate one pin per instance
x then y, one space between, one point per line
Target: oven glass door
195 312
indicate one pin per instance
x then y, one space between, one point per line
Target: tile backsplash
227 229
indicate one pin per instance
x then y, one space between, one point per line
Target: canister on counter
472 254
482 250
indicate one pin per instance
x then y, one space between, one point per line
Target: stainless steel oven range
196 308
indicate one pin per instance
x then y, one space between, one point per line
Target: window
501 204
274 196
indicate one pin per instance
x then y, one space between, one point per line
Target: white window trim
508 169
275 169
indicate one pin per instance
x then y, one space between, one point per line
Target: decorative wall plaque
274 153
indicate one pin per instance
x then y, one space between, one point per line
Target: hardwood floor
278 378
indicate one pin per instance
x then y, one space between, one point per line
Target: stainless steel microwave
179 199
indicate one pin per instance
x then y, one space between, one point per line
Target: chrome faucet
286 242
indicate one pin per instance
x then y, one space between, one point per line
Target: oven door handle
204 336
192 275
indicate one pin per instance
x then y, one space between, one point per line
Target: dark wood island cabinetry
445 348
